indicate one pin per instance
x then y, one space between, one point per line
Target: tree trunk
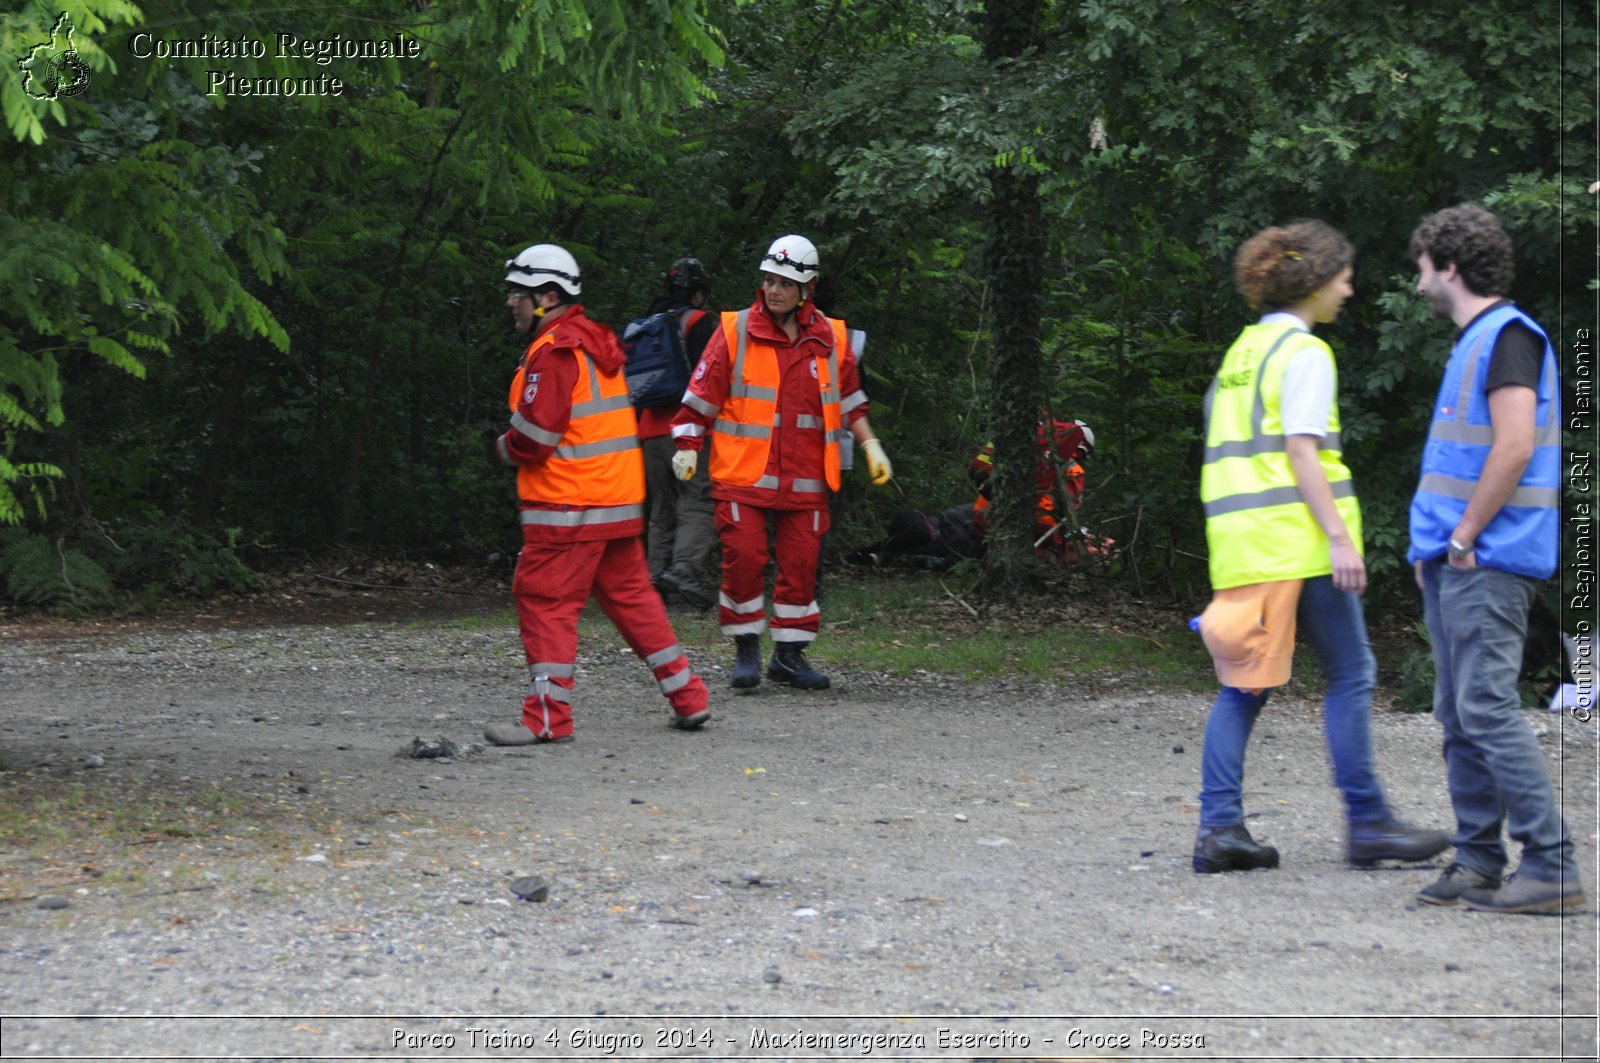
1015 256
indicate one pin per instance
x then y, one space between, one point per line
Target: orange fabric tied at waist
1249 632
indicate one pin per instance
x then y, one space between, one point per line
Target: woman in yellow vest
1284 531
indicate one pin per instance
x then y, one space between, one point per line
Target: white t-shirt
1307 385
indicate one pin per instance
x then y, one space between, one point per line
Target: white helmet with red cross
794 257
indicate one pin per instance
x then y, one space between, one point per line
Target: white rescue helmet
1087 446
544 264
794 257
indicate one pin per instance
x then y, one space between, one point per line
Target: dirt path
893 868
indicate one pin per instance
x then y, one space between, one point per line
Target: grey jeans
681 532
1478 620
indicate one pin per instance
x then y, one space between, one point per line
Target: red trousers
552 585
797 538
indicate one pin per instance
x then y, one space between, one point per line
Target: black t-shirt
1518 355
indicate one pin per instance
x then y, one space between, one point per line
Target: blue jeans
1332 622
1478 621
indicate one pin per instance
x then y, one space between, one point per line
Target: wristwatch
1457 551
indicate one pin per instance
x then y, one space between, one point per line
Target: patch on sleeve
531 389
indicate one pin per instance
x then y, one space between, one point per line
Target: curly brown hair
1283 264
1474 240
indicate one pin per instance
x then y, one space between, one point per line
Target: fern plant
38 571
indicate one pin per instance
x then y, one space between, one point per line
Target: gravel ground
894 868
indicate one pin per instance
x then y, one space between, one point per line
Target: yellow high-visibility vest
1258 528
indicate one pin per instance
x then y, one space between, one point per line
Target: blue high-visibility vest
1524 537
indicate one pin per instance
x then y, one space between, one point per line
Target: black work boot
1393 839
1230 849
789 665
686 586
746 661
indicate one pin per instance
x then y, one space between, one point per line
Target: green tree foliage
312 273
256 321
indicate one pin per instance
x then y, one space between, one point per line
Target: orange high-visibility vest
742 433
597 462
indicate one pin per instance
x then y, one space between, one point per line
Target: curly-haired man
1485 530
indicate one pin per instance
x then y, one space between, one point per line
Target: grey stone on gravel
531 888
442 749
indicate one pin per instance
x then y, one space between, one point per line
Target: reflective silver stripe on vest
676 681
741 329
767 482
1249 448
601 405
594 373
814 486
1257 443
602 446
806 420
1276 496
840 435
553 669
749 431
666 656
741 334
1545 435
699 405
522 426
576 518
1452 487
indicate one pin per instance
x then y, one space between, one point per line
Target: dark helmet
690 275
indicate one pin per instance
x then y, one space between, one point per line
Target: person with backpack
580 481
774 394
661 347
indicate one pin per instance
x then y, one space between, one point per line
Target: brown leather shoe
1526 895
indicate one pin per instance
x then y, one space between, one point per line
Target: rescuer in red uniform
580 479
775 393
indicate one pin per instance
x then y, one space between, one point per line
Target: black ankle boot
1230 849
746 661
789 665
